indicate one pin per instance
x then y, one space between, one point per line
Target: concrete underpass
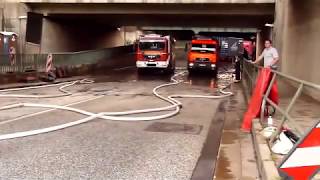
95 40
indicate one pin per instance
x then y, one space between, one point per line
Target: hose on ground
61 89
115 116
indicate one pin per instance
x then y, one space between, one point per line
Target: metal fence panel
250 73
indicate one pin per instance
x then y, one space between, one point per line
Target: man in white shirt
269 55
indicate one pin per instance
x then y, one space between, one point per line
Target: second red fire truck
155 51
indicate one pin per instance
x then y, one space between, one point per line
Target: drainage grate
175 128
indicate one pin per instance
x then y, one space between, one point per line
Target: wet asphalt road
101 149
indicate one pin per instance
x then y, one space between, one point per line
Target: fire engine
155 51
203 54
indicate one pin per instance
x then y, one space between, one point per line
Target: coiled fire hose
115 116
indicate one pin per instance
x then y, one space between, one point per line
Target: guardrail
37 62
250 73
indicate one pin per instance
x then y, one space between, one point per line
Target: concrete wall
110 39
60 36
125 35
151 1
56 37
11 14
298 39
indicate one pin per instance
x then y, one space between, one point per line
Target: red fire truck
155 51
203 54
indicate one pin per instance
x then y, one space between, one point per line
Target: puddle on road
229 137
223 171
175 128
201 79
126 75
206 79
84 89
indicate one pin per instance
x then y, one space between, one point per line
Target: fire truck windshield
151 45
204 48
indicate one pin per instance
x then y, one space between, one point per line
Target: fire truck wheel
140 71
170 69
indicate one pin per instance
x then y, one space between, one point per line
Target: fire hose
61 89
174 108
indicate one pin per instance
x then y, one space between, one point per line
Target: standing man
269 55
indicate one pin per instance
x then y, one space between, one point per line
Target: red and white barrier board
49 63
303 162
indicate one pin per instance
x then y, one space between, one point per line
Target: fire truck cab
203 54
155 51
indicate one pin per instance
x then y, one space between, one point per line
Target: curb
266 165
8 86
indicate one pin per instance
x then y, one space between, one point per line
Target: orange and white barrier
49 63
303 162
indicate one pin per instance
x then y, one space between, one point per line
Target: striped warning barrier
303 161
49 63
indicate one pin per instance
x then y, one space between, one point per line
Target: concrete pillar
13 19
55 37
1 15
299 41
259 44
280 27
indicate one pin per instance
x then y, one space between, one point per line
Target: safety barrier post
284 118
266 95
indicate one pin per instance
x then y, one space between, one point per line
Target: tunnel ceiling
165 20
202 15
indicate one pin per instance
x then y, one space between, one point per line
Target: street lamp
269 25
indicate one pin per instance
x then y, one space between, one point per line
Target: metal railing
37 62
21 63
250 73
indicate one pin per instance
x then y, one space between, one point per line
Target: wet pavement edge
206 164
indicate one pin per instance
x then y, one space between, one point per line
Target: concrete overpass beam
125 8
151 1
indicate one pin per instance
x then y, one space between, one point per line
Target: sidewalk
236 159
305 112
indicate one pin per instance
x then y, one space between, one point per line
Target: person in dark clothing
246 54
253 51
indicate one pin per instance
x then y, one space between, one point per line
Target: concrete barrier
75 63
